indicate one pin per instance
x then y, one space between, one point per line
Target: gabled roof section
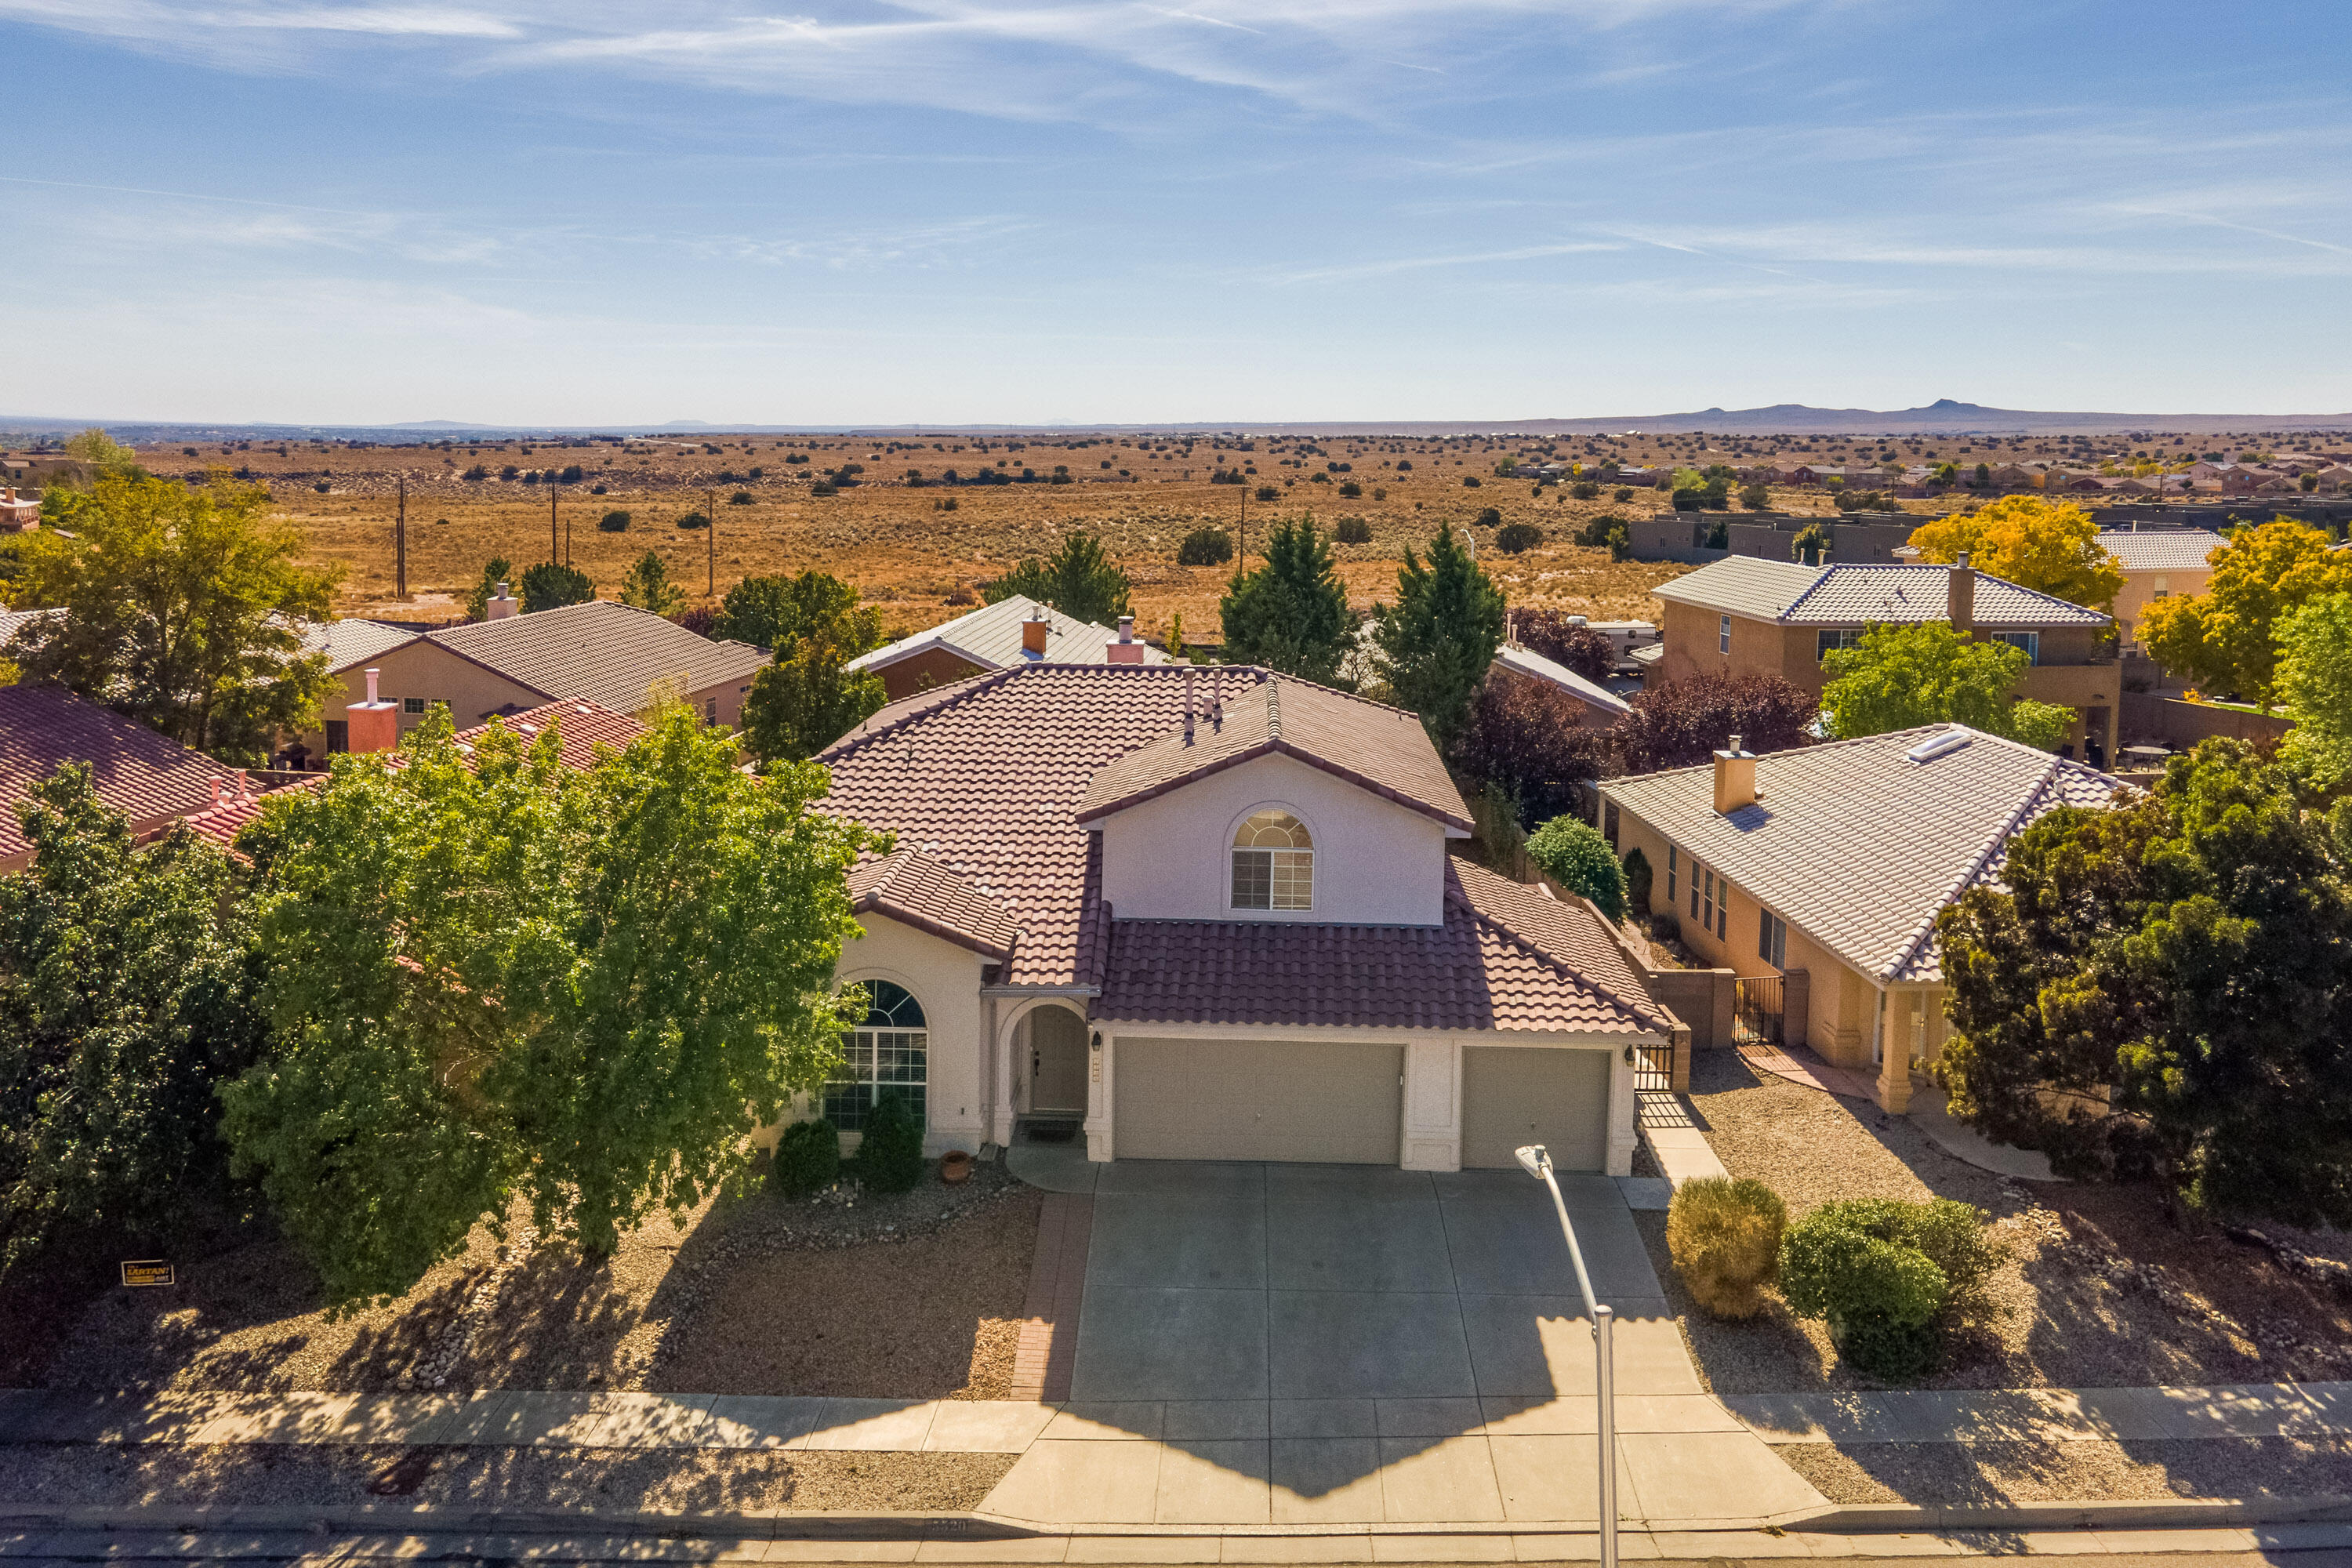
600 652
133 770
1793 595
1534 665
353 642
990 637
916 890
1859 845
1376 748
2161 549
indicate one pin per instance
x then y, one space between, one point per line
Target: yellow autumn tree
2051 547
2226 638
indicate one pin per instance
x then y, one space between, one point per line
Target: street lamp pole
1536 1162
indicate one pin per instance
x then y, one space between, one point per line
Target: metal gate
1654 1069
1755 1011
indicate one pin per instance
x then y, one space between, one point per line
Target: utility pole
554 542
710 547
1241 552
399 544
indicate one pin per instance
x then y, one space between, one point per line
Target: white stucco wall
1376 863
945 979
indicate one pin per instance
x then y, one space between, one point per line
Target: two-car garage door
1344 1104
1257 1099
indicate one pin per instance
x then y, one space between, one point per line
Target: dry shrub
1725 1238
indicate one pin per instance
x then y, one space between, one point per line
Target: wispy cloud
1394 264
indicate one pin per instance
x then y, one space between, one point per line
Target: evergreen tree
495 571
648 587
1077 579
1437 641
1291 614
551 585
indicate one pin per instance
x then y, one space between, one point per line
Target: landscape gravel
1961 1474
488 1479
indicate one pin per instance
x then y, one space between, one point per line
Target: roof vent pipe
1188 705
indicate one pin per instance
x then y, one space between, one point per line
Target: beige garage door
1255 1100
1533 1095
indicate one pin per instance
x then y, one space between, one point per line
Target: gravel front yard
2099 1290
1963 1474
526 1479
918 1295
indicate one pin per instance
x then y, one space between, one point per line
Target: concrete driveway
1332 1344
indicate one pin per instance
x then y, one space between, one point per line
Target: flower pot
955 1165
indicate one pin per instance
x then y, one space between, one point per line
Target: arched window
1273 863
890 1050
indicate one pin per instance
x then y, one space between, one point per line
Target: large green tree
2314 682
1291 614
551 585
1436 642
807 699
2051 547
1078 579
2167 987
1902 677
182 609
2226 638
127 996
775 612
493 978
495 571
648 587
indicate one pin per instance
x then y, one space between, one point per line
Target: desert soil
1959 1474
2099 1288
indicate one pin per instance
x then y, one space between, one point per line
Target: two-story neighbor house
2157 562
1821 871
1213 913
1780 617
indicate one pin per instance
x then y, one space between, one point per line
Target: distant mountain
439 425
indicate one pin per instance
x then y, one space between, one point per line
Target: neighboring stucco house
2157 562
1213 913
1598 706
1013 630
599 652
1826 867
1780 617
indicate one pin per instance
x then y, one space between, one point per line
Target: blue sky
836 211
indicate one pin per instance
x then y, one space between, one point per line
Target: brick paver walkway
1057 1289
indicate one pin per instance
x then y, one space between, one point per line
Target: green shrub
890 1156
1350 489
1512 539
1638 881
1267 492
694 520
1725 1238
1205 547
613 521
1573 854
824 487
1624 492
1875 1269
1585 489
808 1157
741 498
1353 531
1488 517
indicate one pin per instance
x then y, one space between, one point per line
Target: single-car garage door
1531 1094
1256 1099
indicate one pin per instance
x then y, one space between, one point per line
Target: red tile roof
144 775
984 778
921 893
1375 747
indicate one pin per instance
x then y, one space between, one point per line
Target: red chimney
372 725
1032 633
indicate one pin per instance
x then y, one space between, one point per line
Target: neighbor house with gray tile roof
2157 562
1213 913
1824 869
1744 616
1013 630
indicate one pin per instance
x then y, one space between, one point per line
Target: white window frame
1275 870
865 1040
1723 634
1772 939
2031 642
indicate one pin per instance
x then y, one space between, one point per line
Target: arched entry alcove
1053 1063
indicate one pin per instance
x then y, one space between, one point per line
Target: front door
1058 1062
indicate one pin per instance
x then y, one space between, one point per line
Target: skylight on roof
1935 746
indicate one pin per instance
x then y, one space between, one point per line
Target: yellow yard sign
153 1271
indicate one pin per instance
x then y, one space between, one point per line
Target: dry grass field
900 541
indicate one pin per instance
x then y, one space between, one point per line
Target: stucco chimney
1033 633
1963 601
501 605
1735 778
1123 649
372 725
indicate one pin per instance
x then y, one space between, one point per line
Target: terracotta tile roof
600 652
1375 747
144 775
914 888
580 729
1794 595
1859 846
1492 964
2161 549
990 637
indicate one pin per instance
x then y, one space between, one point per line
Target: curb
1871 1519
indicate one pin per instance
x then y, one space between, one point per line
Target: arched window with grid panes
1273 863
890 1050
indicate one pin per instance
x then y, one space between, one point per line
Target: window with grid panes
1273 863
891 1051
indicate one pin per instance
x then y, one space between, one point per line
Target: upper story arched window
1273 863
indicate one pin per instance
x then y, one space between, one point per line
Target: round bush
1353 531
1350 489
1585 489
890 1156
1624 492
1469 481
1865 1267
824 487
741 498
808 1158
1205 547
1725 1238
1267 492
1573 854
694 520
1488 517
1515 538
614 522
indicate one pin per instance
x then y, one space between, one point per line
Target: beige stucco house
1215 914
1824 868
1012 631
2158 563
1781 617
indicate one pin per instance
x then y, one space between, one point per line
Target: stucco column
1893 1085
1623 1112
1099 1093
